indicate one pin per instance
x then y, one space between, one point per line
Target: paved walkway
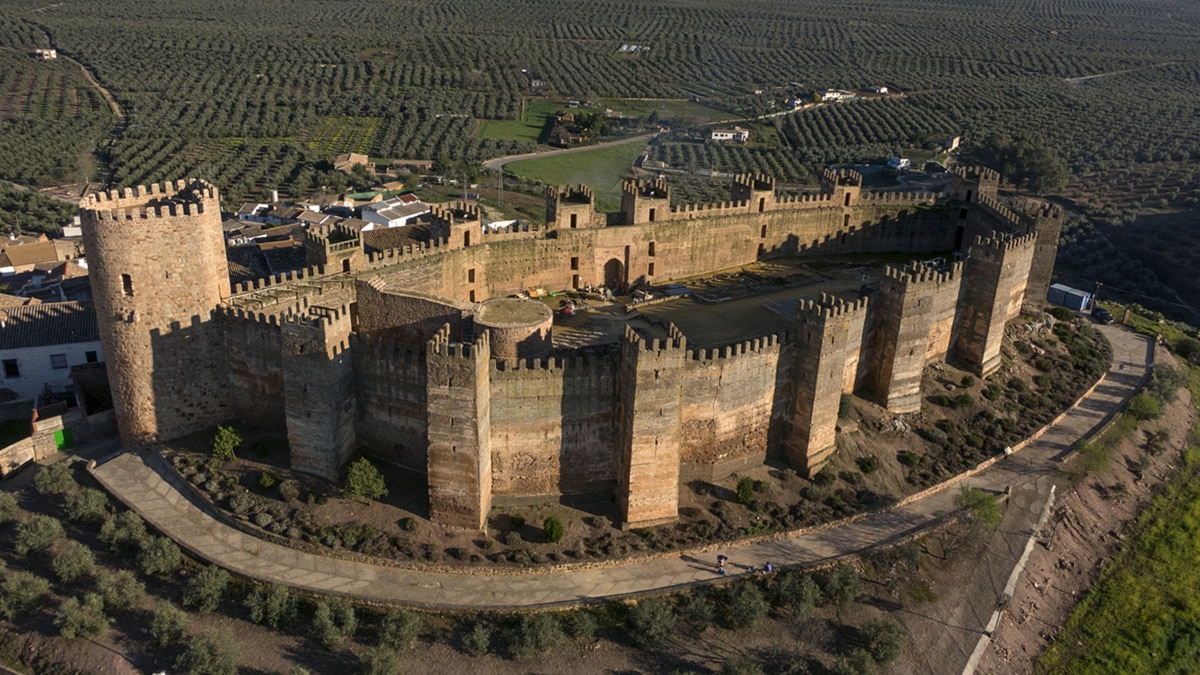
145 484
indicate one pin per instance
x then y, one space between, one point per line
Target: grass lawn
1143 614
601 169
528 128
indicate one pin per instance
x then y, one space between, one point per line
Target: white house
46 54
395 212
40 343
735 134
899 163
837 95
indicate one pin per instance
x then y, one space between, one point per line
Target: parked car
1102 315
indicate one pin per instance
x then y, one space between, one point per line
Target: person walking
721 564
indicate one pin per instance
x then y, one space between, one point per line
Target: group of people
766 569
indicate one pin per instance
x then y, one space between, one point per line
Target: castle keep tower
572 207
993 291
756 189
645 201
158 271
318 387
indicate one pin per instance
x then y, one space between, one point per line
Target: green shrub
478 640
168 624
697 611
747 605
159 555
204 590
796 592
1093 455
399 629
124 531
910 458
82 619
839 585
1165 382
536 634
513 538
380 661
868 464
289 490
943 400
883 639
1016 384
266 480
745 491
21 593
9 509
364 480
649 622
54 479
1043 381
213 653
963 401
271 605
582 625
334 621
845 407
73 562
121 590
516 521
553 528
967 381
89 505
981 507
824 477
1062 313
37 534
991 392
1144 407
224 443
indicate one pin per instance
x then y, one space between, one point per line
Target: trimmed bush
289 490
364 480
334 621
54 479
1145 407
553 528
8 507
224 442
272 605
868 464
650 622
168 624
266 480
213 653
883 639
478 640
399 629
89 505
745 491
21 593
121 590
967 381
84 619
204 590
73 562
159 555
124 531
536 634
747 605
37 534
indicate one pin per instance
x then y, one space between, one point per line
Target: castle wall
254 347
993 291
553 427
318 388
734 405
390 389
403 315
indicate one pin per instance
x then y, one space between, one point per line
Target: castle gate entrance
614 275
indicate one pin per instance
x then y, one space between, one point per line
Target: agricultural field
601 169
529 128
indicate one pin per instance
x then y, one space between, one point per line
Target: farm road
155 491
499 162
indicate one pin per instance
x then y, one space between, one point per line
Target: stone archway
614 275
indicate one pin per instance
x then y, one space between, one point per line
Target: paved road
142 481
499 162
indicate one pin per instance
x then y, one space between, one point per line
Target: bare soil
1094 517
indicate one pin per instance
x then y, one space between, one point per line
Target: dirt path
499 162
1085 78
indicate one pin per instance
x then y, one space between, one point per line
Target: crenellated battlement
916 197
575 194
656 188
238 314
393 256
842 177
829 306
440 345
997 210
758 345
715 209
805 199
675 340
516 230
192 191
999 244
918 273
976 174
756 182
456 213
279 279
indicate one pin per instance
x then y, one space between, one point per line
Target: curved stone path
145 484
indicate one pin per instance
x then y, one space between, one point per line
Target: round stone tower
156 259
520 329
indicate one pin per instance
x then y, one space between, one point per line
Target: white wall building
395 212
735 134
40 343
899 163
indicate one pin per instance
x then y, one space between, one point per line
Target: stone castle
419 357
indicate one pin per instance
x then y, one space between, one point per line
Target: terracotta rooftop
47 324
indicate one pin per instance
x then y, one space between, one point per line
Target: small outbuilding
1071 298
